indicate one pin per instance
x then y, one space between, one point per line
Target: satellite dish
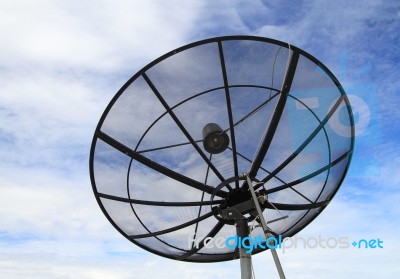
237 130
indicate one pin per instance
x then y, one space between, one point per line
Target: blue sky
61 62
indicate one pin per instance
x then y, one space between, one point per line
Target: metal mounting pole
242 231
265 227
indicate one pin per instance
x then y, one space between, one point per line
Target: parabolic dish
284 120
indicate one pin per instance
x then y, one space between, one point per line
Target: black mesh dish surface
290 129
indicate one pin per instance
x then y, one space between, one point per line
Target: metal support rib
229 108
151 164
276 116
309 176
265 228
307 141
202 199
158 203
180 125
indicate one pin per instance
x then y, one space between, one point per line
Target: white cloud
100 34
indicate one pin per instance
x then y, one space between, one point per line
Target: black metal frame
137 155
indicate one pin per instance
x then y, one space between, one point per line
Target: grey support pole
265 227
242 230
